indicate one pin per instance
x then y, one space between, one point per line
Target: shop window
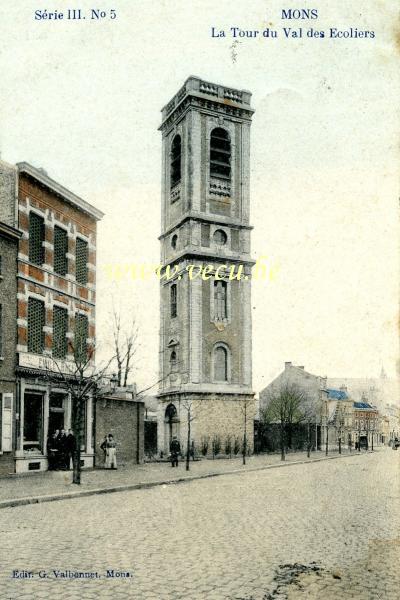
81 259
60 251
36 239
81 335
220 154
33 420
176 159
174 298
36 321
60 326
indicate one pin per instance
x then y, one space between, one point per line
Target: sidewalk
17 490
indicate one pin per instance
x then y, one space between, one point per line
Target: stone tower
205 328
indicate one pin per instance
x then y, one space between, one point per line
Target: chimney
287 365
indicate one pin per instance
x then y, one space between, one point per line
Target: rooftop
337 394
41 176
194 86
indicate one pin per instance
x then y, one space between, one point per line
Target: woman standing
111 452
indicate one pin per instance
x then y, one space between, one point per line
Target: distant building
55 303
366 424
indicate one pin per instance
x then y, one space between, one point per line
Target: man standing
175 449
70 448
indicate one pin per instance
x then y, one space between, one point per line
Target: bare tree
245 410
287 405
80 378
125 339
187 404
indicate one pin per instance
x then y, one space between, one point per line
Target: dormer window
176 158
220 154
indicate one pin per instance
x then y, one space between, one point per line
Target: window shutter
6 423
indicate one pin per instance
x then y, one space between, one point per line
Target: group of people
61 447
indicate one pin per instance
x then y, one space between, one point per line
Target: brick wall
125 420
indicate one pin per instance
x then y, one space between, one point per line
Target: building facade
55 302
205 319
9 238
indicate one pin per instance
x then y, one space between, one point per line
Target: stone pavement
28 488
321 531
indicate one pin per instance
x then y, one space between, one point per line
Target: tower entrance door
171 425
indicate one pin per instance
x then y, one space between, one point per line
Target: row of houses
346 411
47 322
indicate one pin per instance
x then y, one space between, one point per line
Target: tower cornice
208 96
204 218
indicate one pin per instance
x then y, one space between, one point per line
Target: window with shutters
176 158
60 251
60 327
81 335
36 321
220 300
220 154
81 273
220 363
36 239
174 298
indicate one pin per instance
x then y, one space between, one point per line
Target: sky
82 99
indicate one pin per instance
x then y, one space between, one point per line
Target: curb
150 484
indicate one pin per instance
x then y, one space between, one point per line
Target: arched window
171 412
220 363
174 297
220 154
220 300
174 241
172 361
176 155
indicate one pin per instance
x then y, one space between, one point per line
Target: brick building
9 237
205 329
55 299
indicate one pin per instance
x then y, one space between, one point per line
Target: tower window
36 239
220 363
174 241
220 300
220 237
60 251
60 326
173 361
36 320
176 156
81 261
174 297
220 154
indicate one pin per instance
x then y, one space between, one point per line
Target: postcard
199 299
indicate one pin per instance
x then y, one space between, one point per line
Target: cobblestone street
326 530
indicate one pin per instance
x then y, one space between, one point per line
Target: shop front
43 409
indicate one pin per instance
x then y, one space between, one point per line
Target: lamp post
327 428
113 382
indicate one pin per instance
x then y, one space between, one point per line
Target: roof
41 176
363 405
337 394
